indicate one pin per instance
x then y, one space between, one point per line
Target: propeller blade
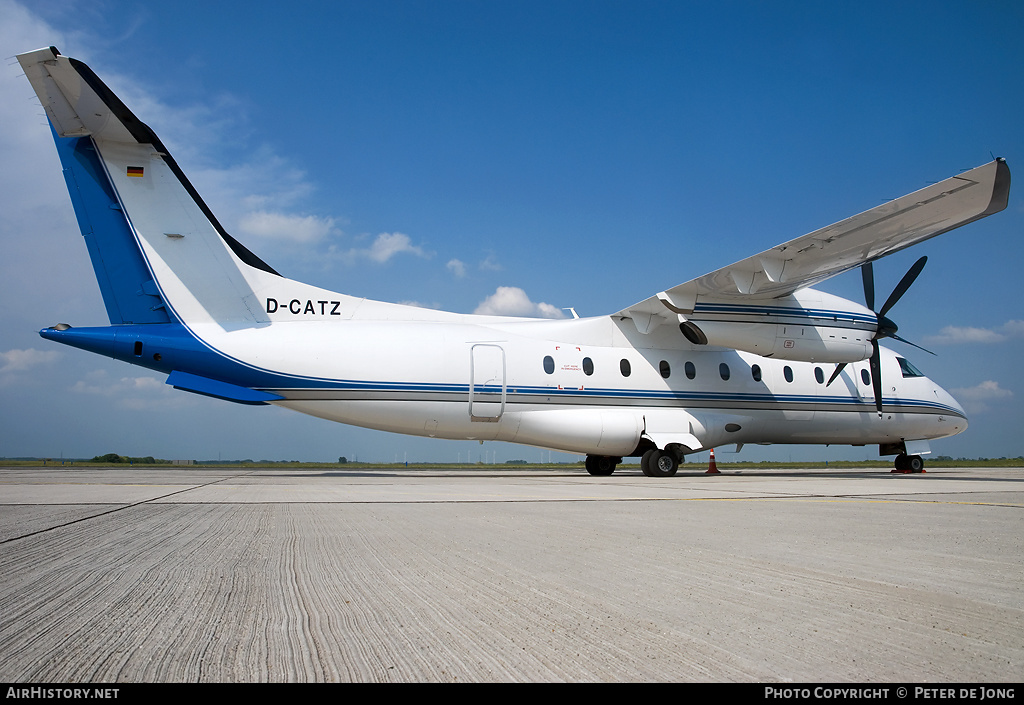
839 368
867 275
876 375
902 287
886 327
904 340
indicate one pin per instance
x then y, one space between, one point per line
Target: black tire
645 461
915 463
901 462
600 465
662 464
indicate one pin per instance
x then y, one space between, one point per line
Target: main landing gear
909 463
659 463
601 465
655 463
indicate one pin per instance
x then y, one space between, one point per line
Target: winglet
1000 190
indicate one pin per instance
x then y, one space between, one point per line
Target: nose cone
948 398
956 411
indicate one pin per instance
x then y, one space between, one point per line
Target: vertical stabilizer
157 249
129 292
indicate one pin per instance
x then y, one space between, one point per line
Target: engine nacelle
807 326
790 342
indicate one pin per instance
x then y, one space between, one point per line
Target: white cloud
18 365
986 390
457 267
1014 329
549 311
22 360
98 382
420 304
490 264
132 392
256 196
952 335
386 246
513 301
289 228
975 399
965 334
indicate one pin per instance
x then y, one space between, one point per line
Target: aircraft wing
810 259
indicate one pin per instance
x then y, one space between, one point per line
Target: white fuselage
561 384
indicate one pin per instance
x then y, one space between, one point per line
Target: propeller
886 327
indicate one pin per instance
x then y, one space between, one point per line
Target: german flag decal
135 171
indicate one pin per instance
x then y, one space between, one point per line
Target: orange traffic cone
712 467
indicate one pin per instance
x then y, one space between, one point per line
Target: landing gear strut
601 465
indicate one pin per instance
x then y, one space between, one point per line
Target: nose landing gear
909 463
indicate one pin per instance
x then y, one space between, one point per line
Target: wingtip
1000 189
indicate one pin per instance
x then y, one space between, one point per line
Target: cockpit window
907 369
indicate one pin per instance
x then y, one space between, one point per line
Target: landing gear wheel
660 463
645 462
909 463
600 465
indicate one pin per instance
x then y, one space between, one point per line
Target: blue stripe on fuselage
832 316
172 347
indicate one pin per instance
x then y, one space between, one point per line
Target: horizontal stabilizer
220 390
78 103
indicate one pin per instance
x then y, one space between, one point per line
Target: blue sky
515 157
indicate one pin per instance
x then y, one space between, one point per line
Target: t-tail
165 266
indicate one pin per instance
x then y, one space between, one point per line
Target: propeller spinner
886 327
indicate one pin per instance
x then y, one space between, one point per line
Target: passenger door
486 382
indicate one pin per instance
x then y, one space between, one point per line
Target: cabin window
665 369
865 376
138 349
588 366
690 370
624 367
549 364
819 375
723 370
755 372
787 372
907 369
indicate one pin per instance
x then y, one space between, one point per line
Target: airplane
747 354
